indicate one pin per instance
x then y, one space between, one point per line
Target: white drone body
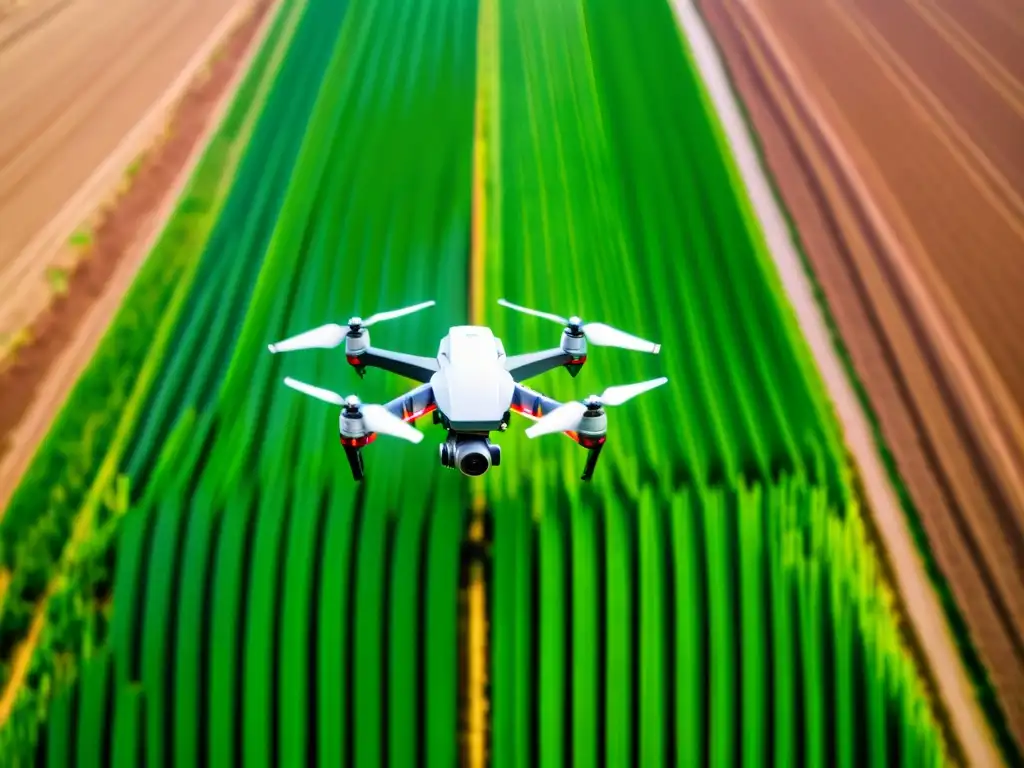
471 387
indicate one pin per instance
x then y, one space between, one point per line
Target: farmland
216 589
885 209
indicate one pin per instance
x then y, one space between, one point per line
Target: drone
471 388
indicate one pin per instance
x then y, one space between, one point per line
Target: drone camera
471 455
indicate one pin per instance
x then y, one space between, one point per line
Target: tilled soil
935 194
85 86
127 221
936 133
75 78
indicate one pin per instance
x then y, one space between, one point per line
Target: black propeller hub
352 407
355 326
593 404
575 326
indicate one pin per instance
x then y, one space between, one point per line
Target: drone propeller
389 315
331 335
377 418
569 417
598 334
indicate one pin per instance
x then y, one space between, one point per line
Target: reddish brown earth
85 86
123 232
895 133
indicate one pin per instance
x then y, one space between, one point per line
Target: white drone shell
472 388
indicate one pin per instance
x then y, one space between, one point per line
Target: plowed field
893 130
76 79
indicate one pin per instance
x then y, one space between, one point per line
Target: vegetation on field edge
63 479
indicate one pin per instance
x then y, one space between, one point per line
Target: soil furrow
1000 39
895 358
965 433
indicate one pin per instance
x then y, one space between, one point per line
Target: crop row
41 517
325 596
69 484
711 595
727 626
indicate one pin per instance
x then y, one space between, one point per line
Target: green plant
57 279
36 533
82 239
719 554
258 592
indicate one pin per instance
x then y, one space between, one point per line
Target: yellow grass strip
477 614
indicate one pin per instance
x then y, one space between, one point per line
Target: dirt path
85 86
911 580
473 590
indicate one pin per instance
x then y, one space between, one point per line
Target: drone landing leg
355 461
593 453
574 367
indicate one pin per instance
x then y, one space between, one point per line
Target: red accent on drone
359 442
352 359
523 410
578 360
410 417
591 442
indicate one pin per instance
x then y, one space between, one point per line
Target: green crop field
195 580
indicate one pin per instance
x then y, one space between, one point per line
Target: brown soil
123 226
85 86
911 290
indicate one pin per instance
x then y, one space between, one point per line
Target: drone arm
412 367
522 367
533 405
413 404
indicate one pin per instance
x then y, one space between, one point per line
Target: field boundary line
919 601
24 652
474 639
22 658
478 198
